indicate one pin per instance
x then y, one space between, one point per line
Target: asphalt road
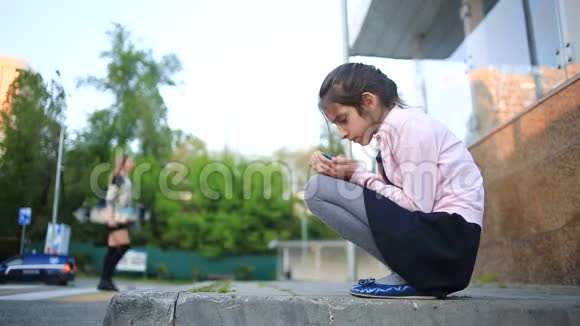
79 303
52 313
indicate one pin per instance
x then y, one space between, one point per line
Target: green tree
137 119
236 209
134 78
238 206
31 125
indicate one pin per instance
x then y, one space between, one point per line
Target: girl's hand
321 164
339 167
344 167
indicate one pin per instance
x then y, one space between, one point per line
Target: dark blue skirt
434 252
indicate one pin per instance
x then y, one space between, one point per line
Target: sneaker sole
414 297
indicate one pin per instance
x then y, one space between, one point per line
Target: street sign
133 261
24 216
57 239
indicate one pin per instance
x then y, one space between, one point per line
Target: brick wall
532 182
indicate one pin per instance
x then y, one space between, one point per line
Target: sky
251 69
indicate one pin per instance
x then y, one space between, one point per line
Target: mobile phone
328 156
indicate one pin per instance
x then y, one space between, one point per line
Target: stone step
311 303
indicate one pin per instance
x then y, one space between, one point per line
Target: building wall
8 72
9 68
532 181
331 265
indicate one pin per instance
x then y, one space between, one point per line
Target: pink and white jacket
427 167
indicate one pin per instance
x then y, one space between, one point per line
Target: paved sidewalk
316 303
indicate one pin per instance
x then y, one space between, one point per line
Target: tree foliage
134 78
30 124
215 203
135 121
237 206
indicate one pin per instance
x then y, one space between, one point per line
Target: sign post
57 239
24 217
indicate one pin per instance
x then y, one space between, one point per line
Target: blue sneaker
367 288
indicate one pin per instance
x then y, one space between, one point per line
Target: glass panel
514 52
544 26
513 58
500 37
570 28
545 45
448 94
500 71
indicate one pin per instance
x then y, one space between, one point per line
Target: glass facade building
480 62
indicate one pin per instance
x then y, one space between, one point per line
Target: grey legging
341 206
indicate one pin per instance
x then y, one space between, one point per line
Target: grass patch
225 287
275 287
219 287
486 279
490 279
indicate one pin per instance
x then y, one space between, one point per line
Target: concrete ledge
284 303
142 307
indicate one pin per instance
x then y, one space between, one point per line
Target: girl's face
355 126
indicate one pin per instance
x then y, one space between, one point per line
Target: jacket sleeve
416 152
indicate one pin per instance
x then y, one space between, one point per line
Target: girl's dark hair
346 84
